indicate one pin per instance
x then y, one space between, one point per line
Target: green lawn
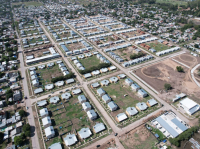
32 3
157 131
89 62
117 92
174 2
158 46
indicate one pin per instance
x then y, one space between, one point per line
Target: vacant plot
158 74
90 62
158 46
37 53
45 75
31 3
117 92
35 40
140 138
75 46
187 59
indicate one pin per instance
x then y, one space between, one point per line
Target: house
142 93
135 87
69 81
95 85
99 127
131 111
82 99
70 139
54 99
17 95
92 115
49 86
112 106
106 98
113 80
44 112
95 73
60 83
15 131
121 117
104 83
170 125
66 96
100 92
87 75
111 68
76 91
41 103
46 122
128 81
121 76
86 106
141 106
55 146
38 90
2 103
49 132
35 83
152 102
84 133
189 106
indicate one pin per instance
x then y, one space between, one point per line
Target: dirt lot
158 74
108 144
187 59
37 53
75 46
139 138
131 34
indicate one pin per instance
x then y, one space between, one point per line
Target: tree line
62 78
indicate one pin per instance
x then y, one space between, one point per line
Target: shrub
167 86
179 69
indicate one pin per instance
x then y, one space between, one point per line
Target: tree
1 137
18 140
26 127
28 133
167 86
196 46
22 113
179 69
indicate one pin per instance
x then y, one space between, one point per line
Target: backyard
158 46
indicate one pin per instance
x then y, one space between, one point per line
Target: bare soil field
187 59
37 53
158 74
75 46
108 144
139 138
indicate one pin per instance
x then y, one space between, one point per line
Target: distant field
28 3
172 2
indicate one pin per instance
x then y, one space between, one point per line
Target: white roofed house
95 85
189 106
112 106
131 111
101 92
70 139
135 87
92 115
49 86
60 83
104 83
46 121
84 133
111 68
82 99
76 91
54 99
113 80
128 81
35 83
44 112
99 127
106 98
141 106
66 96
121 117
152 102
142 93
49 132
121 76
86 106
